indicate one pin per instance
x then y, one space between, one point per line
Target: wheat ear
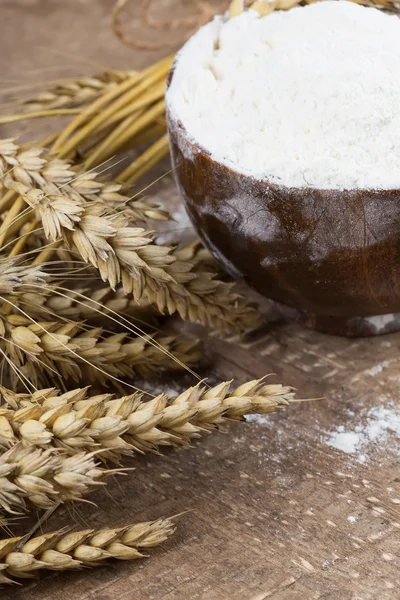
73 351
45 477
24 169
15 276
73 422
71 92
58 551
47 300
83 304
122 253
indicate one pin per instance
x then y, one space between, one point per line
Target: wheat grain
73 422
45 477
84 304
196 254
135 209
58 551
38 349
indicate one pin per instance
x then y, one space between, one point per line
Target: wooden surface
270 501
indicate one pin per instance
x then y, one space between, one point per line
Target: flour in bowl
307 97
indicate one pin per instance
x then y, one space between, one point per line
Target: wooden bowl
333 255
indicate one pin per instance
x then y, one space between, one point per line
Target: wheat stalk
75 92
75 352
25 169
125 99
59 551
78 304
118 426
45 477
122 253
47 300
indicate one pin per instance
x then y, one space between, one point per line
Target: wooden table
270 502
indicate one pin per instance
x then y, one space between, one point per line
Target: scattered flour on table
260 419
380 428
352 519
306 97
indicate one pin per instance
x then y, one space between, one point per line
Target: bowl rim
198 148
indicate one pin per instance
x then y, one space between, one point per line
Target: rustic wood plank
269 502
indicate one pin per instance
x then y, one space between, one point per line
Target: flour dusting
260 419
380 428
306 97
352 519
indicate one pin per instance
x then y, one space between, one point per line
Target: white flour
260 419
305 97
381 427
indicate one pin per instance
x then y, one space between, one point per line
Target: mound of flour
308 97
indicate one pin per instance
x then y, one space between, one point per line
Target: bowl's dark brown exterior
327 252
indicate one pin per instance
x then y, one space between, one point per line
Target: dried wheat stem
126 130
100 103
6 201
75 92
10 218
111 141
51 112
155 93
24 217
121 96
150 134
44 477
143 163
58 551
73 422
46 253
104 101
32 227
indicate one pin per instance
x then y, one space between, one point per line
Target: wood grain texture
269 502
